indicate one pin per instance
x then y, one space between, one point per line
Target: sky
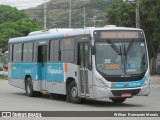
22 4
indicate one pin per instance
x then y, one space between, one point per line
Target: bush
1 69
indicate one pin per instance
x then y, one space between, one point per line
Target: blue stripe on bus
55 72
34 38
132 84
52 72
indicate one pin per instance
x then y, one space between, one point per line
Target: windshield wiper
125 53
114 47
118 51
130 45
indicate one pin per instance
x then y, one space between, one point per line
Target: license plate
126 95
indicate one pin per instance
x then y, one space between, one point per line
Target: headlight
146 82
101 83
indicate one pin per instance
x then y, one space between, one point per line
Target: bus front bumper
100 92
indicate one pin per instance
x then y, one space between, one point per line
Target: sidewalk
155 79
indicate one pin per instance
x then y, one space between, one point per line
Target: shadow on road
108 103
91 103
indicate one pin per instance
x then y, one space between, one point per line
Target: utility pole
94 20
45 21
137 14
137 10
84 16
70 15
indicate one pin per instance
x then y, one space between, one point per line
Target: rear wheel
118 100
29 89
72 93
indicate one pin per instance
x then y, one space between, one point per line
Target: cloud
22 4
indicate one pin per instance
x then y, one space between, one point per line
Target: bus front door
42 58
83 60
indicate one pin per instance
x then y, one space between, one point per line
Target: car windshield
121 58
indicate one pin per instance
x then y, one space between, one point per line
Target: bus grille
120 92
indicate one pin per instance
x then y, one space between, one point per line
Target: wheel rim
74 92
28 88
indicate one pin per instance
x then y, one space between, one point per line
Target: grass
3 77
1 69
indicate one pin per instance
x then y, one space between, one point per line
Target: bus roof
61 32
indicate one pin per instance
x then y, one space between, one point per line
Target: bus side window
28 52
10 53
17 52
54 50
25 47
67 50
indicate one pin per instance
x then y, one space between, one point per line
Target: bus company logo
6 114
21 114
54 71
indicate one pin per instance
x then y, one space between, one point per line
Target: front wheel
118 100
72 93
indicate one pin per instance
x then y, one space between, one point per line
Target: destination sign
113 66
119 34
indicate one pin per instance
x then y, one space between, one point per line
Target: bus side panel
15 75
16 71
58 73
72 71
31 69
19 72
55 78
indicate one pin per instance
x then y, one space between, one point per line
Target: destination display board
118 34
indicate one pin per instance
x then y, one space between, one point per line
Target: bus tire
29 88
118 100
72 93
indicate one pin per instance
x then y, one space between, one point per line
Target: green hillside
58 12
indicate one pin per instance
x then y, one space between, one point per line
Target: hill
58 12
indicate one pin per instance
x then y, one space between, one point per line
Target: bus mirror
93 50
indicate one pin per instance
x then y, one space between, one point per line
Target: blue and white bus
90 63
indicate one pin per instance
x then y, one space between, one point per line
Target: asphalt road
14 99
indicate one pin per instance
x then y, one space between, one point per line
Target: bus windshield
121 57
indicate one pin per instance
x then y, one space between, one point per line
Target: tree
8 14
14 23
122 14
150 12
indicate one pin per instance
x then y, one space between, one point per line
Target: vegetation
1 69
122 14
3 77
14 23
58 13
